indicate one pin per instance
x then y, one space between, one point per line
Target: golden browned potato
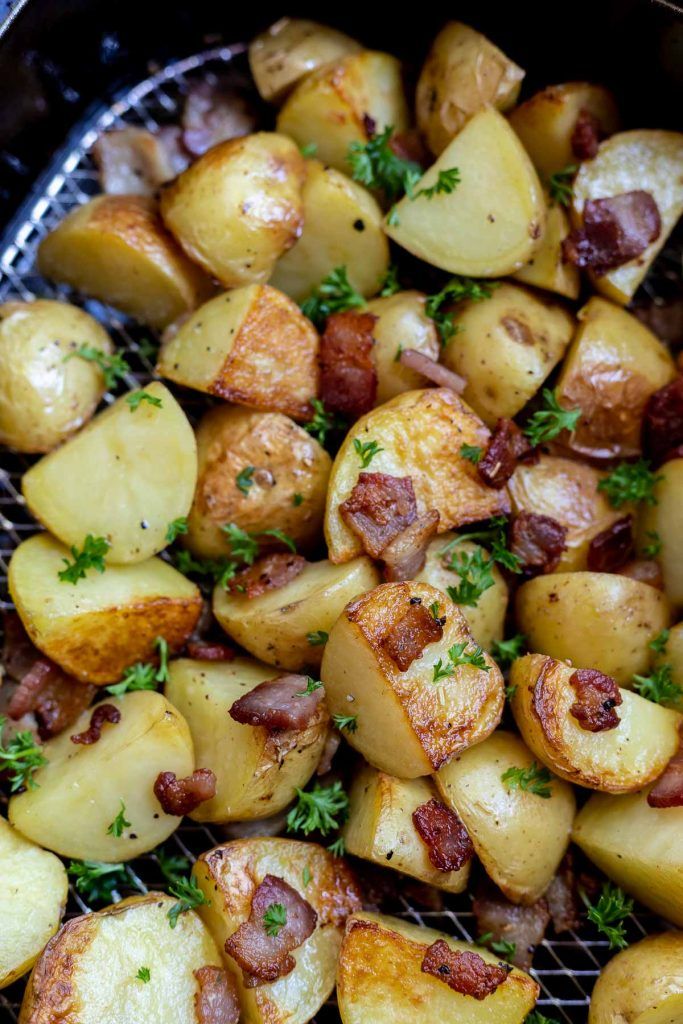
632 161
116 249
95 628
46 392
257 770
96 801
380 979
420 434
380 827
32 900
95 968
125 477
505 347
401 323
238 207
664 519
340 102
519 836
546 268
642 984
491 223
612 367
416 702
342 228
286 489
463 73
619 760
286 627
593 620
289 50
226 348
229 876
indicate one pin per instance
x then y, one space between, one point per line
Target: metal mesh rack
565 967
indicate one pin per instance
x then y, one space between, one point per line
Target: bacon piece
464 972
612 548
267 573
446 838
598 696
432 370
664 317
614 231
506 922
348 381
264 957
562 899
274 704
203 650
663 421
507 447
55 699
585 138
409 146
538 541
18 652
182 796
132 161
329 750
216 1000
405 641
215 111
668 789
378 509
101 714
645 571
405 555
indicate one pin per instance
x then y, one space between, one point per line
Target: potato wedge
257 771
612 367
342 228
46 393
664 519
593 620
238 207
230 874
98 627
338 103
620 760
380 979
505 347
492 222
519 837
463 73
226 349
116 249
406 725
401 323
82 789
125 477
546 268
420 433
90 969
32 900
642 984
380 827
289 50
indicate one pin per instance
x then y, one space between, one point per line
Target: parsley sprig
472 453
334 294
136 398
275 918
91 556
321 809
220 570
507 651
97 881
630 482
536 1017
659 642
475 570
346 723
534 779
144 975
660 686
446 182
323 422
502 947
457 289
492 536
548 423
119 823
459 655
143 675
366 451
172 865
609 913
188 895
375 165
311 686
560 185
20 758
175 528
654 547
114 367
317 638
390 283
244 480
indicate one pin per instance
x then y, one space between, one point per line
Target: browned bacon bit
507 922
214 112
202 650
132 161
644 570
102 713
464 972
432 370
446 838
507 447
538 541
615 230
329 750
348 378
378 509
267 573
612 548
408 145
266 957
585 138
216 1000
668 789
275 704
663 421
182 796
405 555
18 653
598 696
55 699
405 641
561 897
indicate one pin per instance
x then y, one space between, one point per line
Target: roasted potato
505 347
380 827
96 628
226 349
32 899
342 228
46 393
116 249
593 620
612 367
664 519
341 101
420 434
238 207
289 50
380 979
125 477
401 323
619 760
519 836
229 876
90 971
83 789
406 725
257 770
642 984
463 73
491 223
546 268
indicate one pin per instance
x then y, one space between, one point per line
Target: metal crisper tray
565 967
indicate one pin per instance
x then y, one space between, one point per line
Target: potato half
289 50
619 760
546 268
98 627
642 984
664 518
401 323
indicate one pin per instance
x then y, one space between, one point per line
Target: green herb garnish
548 423
534 779
114 367
334 294
20 758
91 556
630 482
321 809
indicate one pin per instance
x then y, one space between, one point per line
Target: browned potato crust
289 50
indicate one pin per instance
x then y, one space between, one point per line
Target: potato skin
664 518
401 323
643 983
289 50
45 396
